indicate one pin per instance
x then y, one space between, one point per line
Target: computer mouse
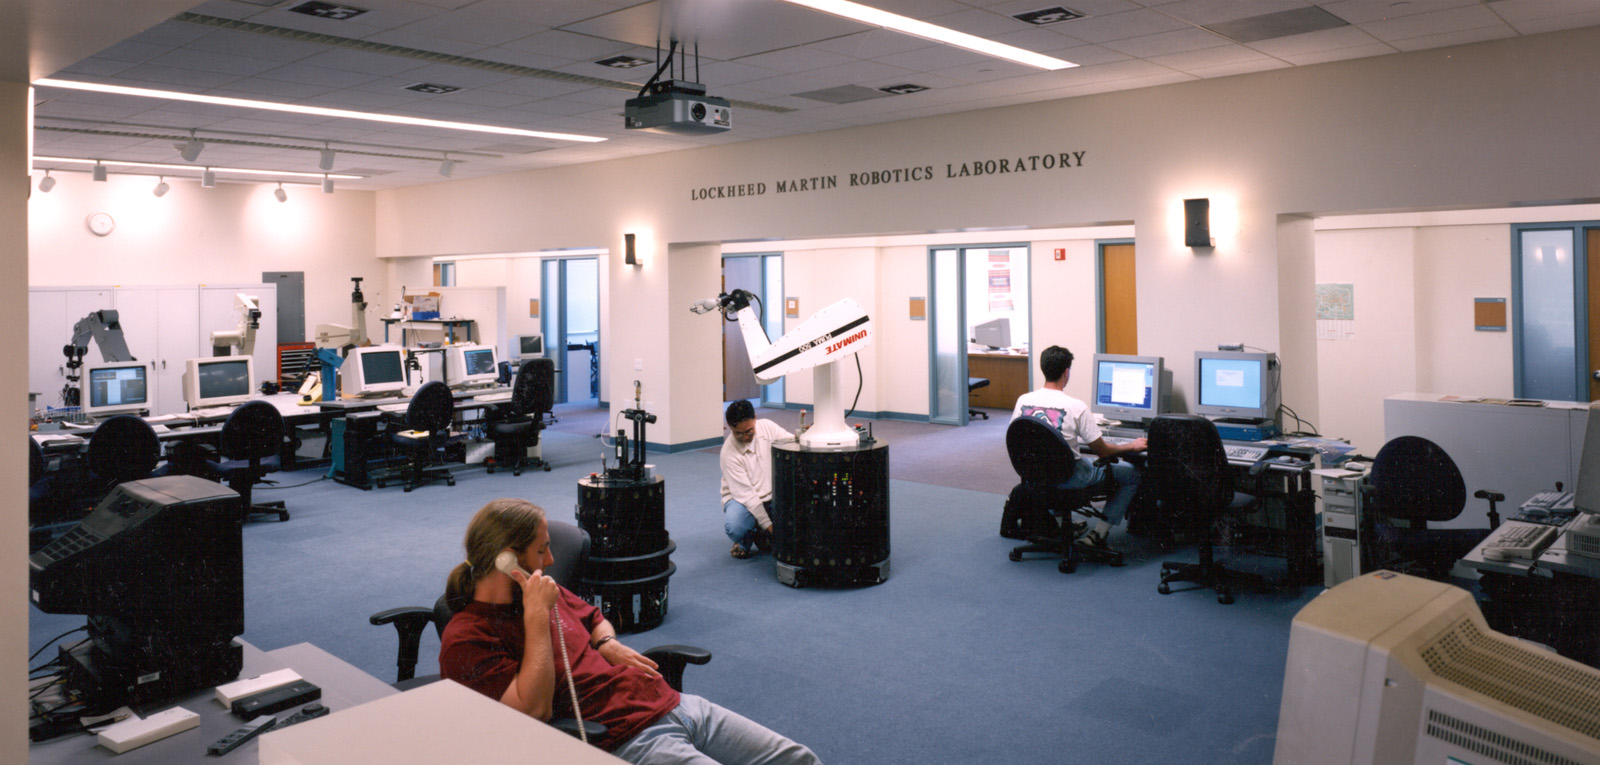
1496 553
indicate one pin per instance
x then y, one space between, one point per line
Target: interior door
738 379
1119 324
947 339
1591 238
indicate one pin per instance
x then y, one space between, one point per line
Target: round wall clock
101 223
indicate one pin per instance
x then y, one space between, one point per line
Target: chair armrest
409 622
670 660
569 726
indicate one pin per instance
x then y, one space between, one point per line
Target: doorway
762 276
978 323
570 321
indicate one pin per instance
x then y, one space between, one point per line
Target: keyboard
1516 540
1244 453
490 398
401 407
212 411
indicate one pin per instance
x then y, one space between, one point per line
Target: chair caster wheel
450 482
546 468
409 488
1225 598
1164 589
1066 568
489 470
1016 556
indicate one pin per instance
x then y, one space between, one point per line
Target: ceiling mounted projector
678 106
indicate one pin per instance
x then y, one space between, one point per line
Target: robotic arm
106 331
243 338
832 334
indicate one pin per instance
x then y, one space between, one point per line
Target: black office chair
569 545
251 440
1412 482
1187 471
423 431
515 427
1039 510
123 448
974 383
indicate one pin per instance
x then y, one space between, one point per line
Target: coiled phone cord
572 687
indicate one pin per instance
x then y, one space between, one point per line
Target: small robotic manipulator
818 343
106 331
630 463
243 338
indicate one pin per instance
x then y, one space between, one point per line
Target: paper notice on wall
1336 311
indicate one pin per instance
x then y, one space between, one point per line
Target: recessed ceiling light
328 10
320 111
432 89
1045 16
623 62
869 15
901 90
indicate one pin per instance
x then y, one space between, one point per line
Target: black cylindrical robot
830 514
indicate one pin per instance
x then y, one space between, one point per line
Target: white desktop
470 365
373 370
217 381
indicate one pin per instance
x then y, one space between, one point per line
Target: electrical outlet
638 365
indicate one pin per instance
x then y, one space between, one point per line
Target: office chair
1039 510
123 448
532 394
424 430
974 383
1413 481
251 440
1188 472
569 545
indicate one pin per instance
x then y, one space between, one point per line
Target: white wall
229 234
1304 141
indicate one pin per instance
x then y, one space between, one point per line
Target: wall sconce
1197 223
630 256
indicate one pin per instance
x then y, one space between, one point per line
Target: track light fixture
208 179
326 162
447 167
161 188
283 196
47 183
327 185
190 149
99 172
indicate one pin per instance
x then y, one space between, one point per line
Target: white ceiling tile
318 75
1585 18
1371 11
1163 43
1120 26
1460 37
1445 21
1327 39
1203 12
873 43
1308 58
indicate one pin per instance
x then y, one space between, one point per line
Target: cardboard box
423 306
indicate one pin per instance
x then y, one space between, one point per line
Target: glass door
947 342
570 320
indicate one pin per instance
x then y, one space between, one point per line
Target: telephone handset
506 562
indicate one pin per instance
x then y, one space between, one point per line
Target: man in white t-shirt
1073 418
747 478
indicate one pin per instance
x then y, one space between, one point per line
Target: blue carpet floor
962 656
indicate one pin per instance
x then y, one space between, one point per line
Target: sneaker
1091 540
739 552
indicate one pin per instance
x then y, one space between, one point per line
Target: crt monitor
1127 388
1236 385
995 333
158 569
118 388
471 365
217 381
528 346
374 370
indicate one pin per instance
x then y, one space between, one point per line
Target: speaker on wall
1197 223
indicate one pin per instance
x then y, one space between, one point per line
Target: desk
448 326
1549 599
1008 378
356 430
343 687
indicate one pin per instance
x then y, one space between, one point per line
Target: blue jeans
739 523
701 733
1125 475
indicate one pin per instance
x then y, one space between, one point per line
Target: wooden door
1119 320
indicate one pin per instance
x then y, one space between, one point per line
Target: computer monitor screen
1127 388
218 381
373 370
529 346
995 333
471 365
1236 384
115 389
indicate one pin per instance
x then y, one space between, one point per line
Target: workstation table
357 427
1549 598
343 687
1007 374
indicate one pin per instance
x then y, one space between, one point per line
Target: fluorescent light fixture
898 23
99 172
326 162
208 179
237 170
320 111
47 183
327 185
447 167
161 188
283 196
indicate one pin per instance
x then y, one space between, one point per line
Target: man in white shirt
747 477
1072 417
